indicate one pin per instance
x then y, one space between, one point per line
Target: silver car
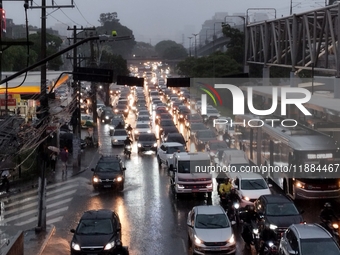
210 231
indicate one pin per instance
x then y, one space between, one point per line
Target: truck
190 173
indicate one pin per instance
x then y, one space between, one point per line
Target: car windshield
147 138
95 227
167 123
108 167
171 150
143 113
319 246
285 209
206 134
198 126
211 221
143 119
217 146
253 184
176 139
142 126
189 166
120 133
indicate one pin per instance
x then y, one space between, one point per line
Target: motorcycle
251 235
270 249
233 212
127 150
332 228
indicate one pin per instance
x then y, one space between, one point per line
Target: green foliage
108 17
175 52
162 47
115 62
143 49
216 65
14 58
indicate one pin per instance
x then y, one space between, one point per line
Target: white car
141 129
143 120
249 187
118 137
209 230
165 152
143 114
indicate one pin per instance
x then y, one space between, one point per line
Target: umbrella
53 148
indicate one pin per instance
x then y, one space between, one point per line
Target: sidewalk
34 242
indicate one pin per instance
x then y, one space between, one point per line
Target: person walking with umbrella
64 158
53 161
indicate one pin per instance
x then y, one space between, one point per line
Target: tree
108 17
143 49
162 46
114 62
175 52
14 58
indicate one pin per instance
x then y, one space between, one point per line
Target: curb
49 235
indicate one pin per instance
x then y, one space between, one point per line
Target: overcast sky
150 20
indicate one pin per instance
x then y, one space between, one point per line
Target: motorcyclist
233 198
127 142
327 215
224 192
267 235
129 129
120 126
250 218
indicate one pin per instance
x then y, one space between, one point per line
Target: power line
82 14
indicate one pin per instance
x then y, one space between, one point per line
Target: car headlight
149 131
107 117
157 117
119 179
271 226
197 240
170 157
109 246
209 186
116 110
255 231
95 179
75 246
179 186
236 205
115 140
300 185
335 226
181 116
112 128
246 198
155 145
126 110
136 131
139 145
231 239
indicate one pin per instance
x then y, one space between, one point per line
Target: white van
249 187
187 173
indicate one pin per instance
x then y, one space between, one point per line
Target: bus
272 144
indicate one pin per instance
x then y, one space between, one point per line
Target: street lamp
190 37
195 45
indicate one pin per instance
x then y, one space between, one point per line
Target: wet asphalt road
153 220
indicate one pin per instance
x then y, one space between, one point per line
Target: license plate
107 186
215 248
195 190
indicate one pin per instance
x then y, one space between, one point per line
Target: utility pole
76 116
190 37
195 45
44 112
94 98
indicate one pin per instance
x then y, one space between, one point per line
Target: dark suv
109 173
98 232
279 211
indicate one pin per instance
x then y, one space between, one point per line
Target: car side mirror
124 168
92 169
72 230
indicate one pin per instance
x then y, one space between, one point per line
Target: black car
106 115
176 138
165 123
195 127
279 211
168 130
98 232
182 113
109 173
147 142
202 137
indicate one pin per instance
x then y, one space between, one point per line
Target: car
121 109
107 115
168 130
193 118
249 187
143 113
143 120
109 173
166 150
86 120
182 112
214 146
163 116
147 142
279 211
202 137
212 113
194 127
209 230
175 137
311 239
165 123
98 232
141 129
115 122
118 137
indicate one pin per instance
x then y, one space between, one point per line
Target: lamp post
195 45
190 37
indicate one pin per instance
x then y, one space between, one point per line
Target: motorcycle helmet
327 205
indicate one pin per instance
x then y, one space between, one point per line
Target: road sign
93 74
130 81
178 82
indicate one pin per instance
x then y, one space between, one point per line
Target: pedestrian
53 161
64 158
5 175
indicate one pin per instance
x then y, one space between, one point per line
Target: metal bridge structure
305 41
